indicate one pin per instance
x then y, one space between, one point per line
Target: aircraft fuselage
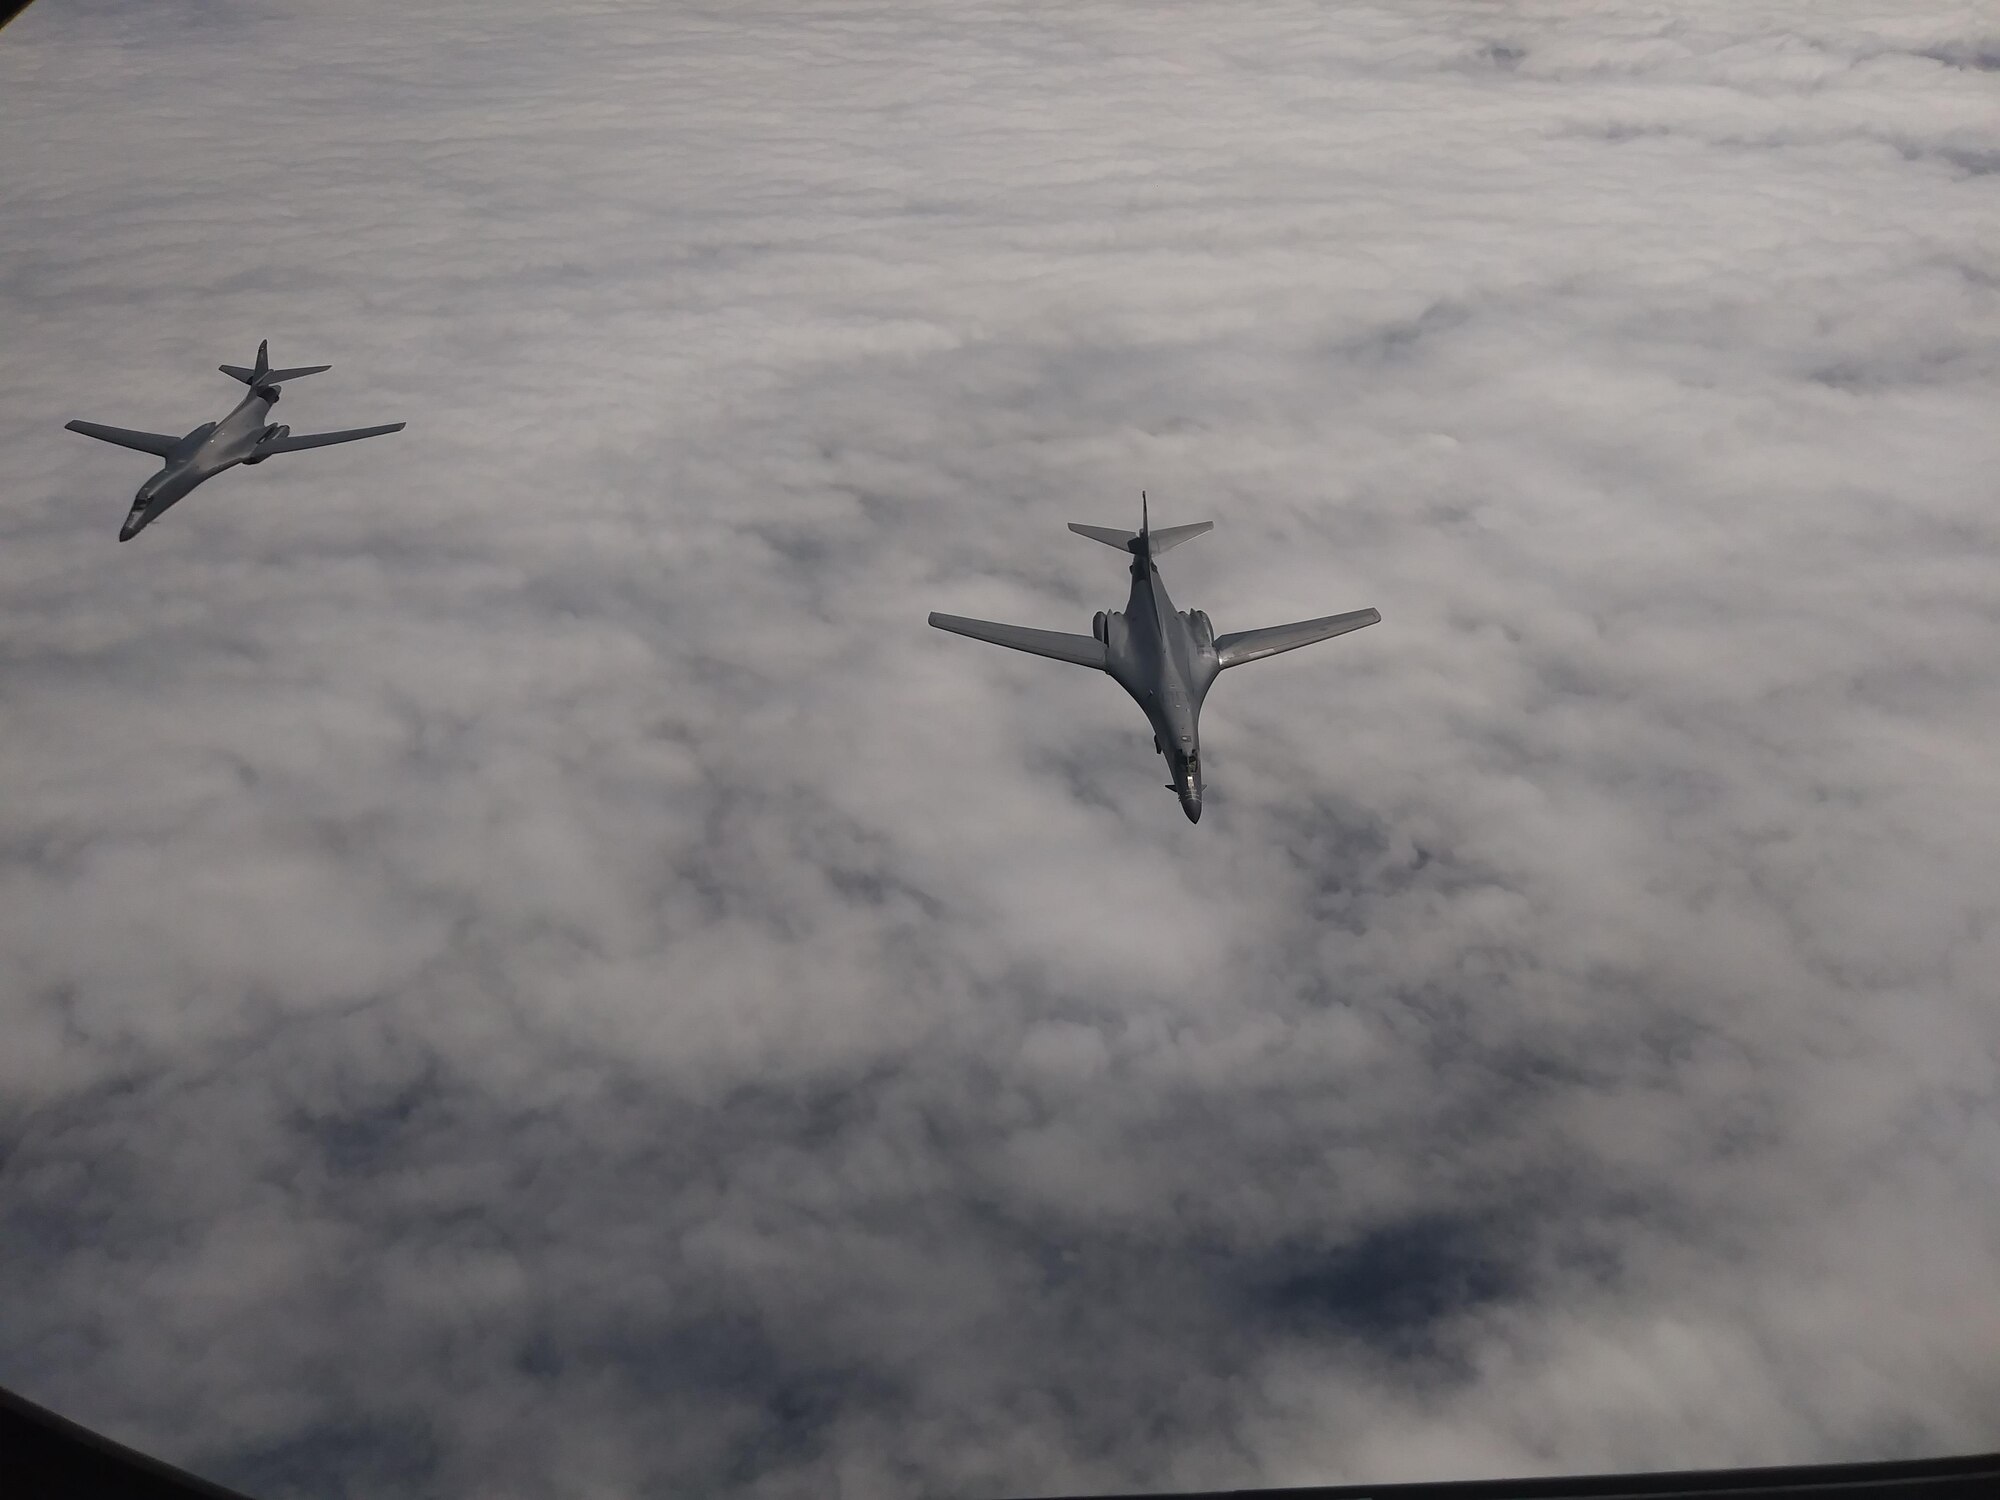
200 456
1166 660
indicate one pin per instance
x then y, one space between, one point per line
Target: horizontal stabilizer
1111 536
1173 536
269 377
1254 645
159 444
1084 650
1127 541
322 439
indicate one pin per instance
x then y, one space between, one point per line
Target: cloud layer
528 971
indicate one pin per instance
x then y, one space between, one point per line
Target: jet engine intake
270 435
1204 632
1100 626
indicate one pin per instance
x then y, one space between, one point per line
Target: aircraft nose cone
1191 805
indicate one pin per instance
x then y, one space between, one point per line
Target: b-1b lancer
245 436
1166 660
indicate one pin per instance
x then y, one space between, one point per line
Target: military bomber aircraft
245 436
1166 660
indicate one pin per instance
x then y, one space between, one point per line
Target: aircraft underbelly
1143 665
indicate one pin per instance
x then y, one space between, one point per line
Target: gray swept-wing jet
1166 659
245 436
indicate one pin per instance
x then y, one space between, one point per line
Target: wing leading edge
159 444
1084 650
322 439
1254 645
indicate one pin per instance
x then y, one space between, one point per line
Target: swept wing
159 444
291 444
1084 650
1253 645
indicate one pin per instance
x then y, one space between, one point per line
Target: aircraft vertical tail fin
261 373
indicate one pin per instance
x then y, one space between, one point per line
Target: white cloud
529 971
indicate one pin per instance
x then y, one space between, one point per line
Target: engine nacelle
269 435
1100 626
1204 633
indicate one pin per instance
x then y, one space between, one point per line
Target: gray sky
528 972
